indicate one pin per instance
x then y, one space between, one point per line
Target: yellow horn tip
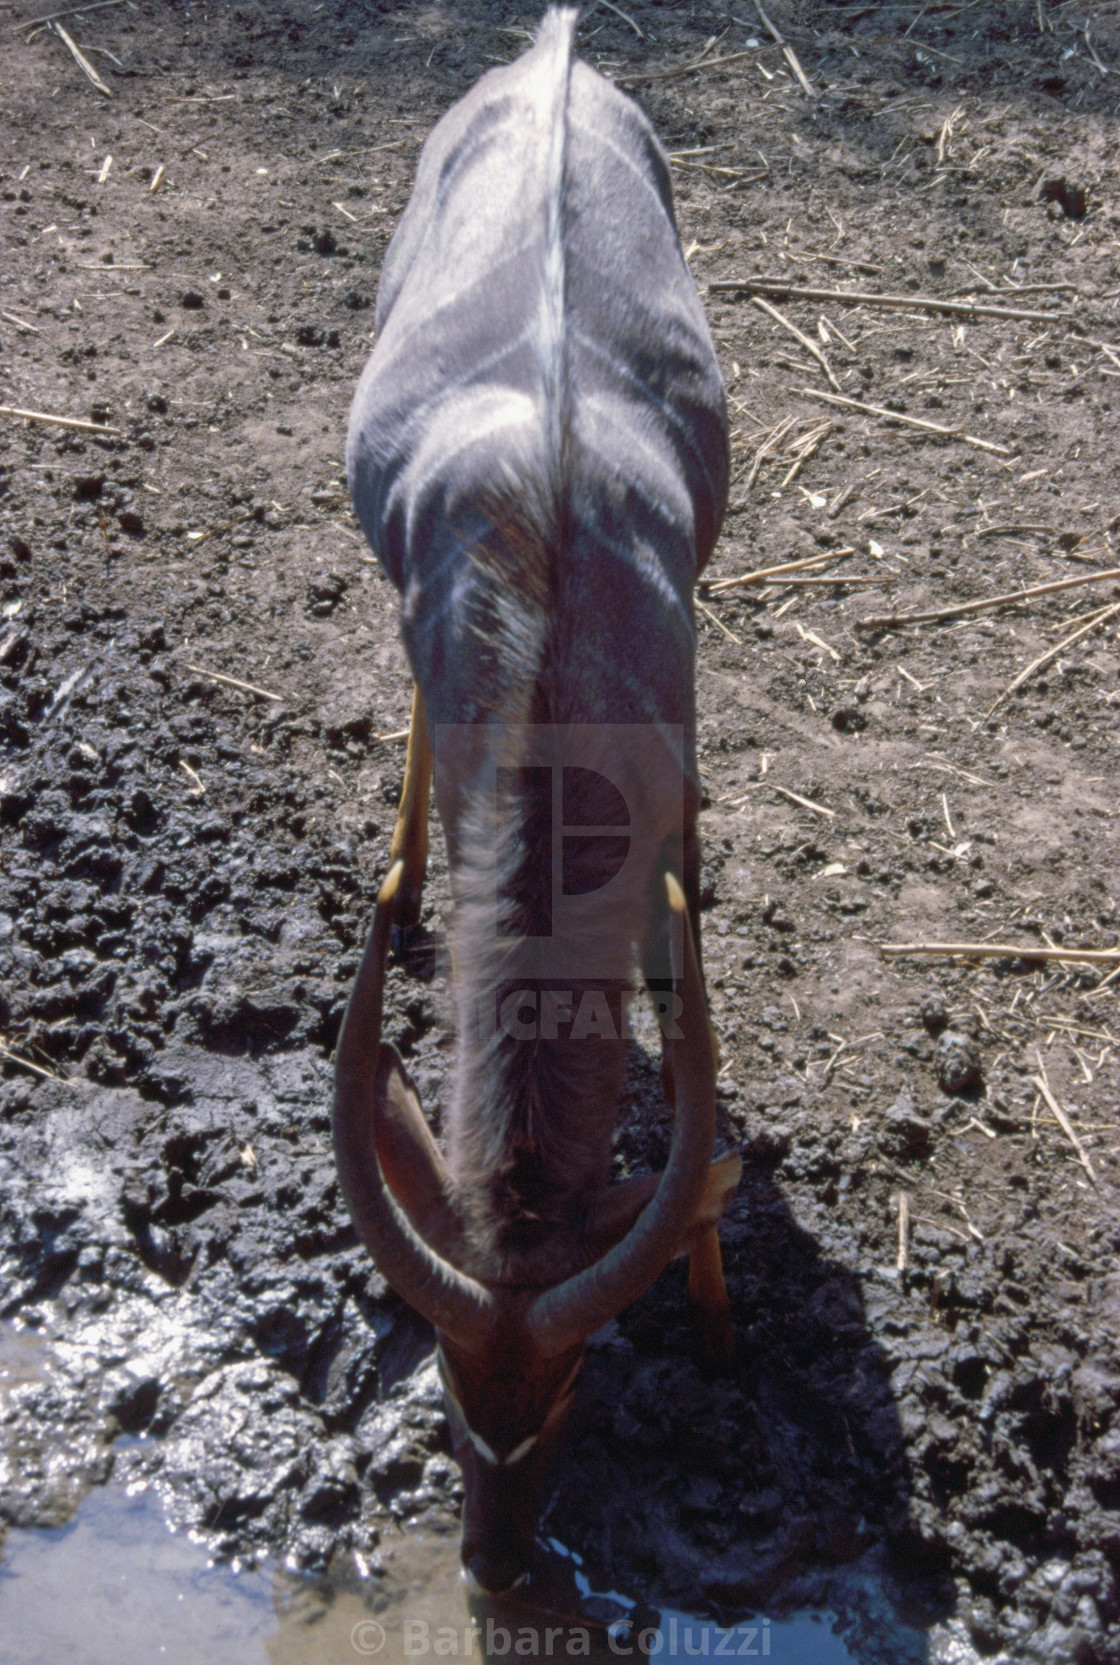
392 883
676 894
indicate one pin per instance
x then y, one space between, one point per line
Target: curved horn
450 1300
564 1316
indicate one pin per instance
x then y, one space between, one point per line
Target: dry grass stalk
683 69
81 60
804 448
818 641
736 176
768 446
948 818
26 1064
718 622
1082 618
903 1260
763 575
75 422
907 421
837 260
805 803
943 1225
1001 951
75 11
896 620
20 323
931 762
787 51
852 297
397 734
618 12
1063 1120
1017 290
844 498
830 580
198 787
234 682
1012 529
1047 658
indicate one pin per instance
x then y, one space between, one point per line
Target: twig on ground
787 51
804 448
1082 618
683 69
906 421
718 622
950 769
805 803
76 11
837 260
1063 1120
852 297
1000 951
942 1225
81 60
75 422
896 620
769 446
26 1064
1012 529
817 641
1018 289
234 682
1046 658
763 575
618 12
821 581
980 1127
903 1259
844 498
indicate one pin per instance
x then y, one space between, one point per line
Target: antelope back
538 445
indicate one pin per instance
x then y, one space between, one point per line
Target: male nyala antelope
538 455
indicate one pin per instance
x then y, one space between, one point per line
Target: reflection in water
115 1587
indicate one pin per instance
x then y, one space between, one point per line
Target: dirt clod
958 1062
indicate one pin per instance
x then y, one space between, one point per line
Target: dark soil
187 866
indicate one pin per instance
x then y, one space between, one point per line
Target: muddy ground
187 866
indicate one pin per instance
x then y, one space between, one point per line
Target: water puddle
115 1587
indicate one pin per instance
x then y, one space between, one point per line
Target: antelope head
510 1356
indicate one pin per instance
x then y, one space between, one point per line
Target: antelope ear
614 1211
410 1159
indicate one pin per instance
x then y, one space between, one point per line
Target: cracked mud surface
186 867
